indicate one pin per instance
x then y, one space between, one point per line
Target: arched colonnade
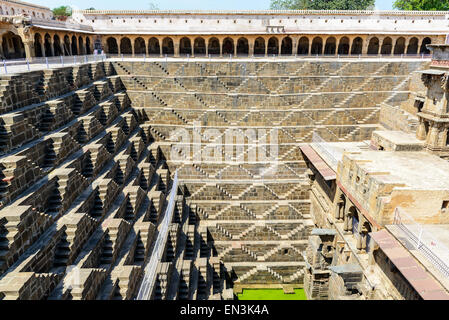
266 45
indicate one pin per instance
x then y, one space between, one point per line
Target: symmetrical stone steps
82 206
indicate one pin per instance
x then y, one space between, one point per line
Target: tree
91 8
323 4
428 5
153 6
62 12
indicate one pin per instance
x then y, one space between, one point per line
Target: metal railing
158 248
8 66
227 56
23 65
324 147
435 252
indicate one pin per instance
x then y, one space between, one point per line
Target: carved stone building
381 205
219 33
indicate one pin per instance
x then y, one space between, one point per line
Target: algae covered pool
271 294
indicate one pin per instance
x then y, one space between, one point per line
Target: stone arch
38 45
228 46
74 46
413 45
125 46
303 46
112 45
139 46
399 47
47 45
81 45
425 42
185 46
242 46
353 216
287 46
357 46
273 46
213 46
167 46
317 46
199 46
387 46
153 46
88 46
343 46
331 46
373 46
259 46
66 45
13 47
57 45
5 47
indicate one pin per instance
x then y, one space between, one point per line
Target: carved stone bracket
444 82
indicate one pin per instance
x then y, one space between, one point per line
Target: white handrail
435 251
156 256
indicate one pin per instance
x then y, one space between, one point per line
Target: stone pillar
160 47
337 44
119 50
347 226
365 47
310 47
421 131
52 47
337 209
2 54
407 42
235 48
29 52
338 205
295 47
432 138
420 41
43 49
221 48
176 45
207 50
266 48
359 244
251 48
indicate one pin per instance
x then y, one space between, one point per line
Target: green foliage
429 5
323 4
91 8
153 6
271 294
62 11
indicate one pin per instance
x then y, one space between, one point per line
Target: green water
271 294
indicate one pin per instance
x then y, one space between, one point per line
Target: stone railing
267 12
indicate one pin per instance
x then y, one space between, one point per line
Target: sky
175 4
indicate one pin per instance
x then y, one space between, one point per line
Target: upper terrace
264 22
